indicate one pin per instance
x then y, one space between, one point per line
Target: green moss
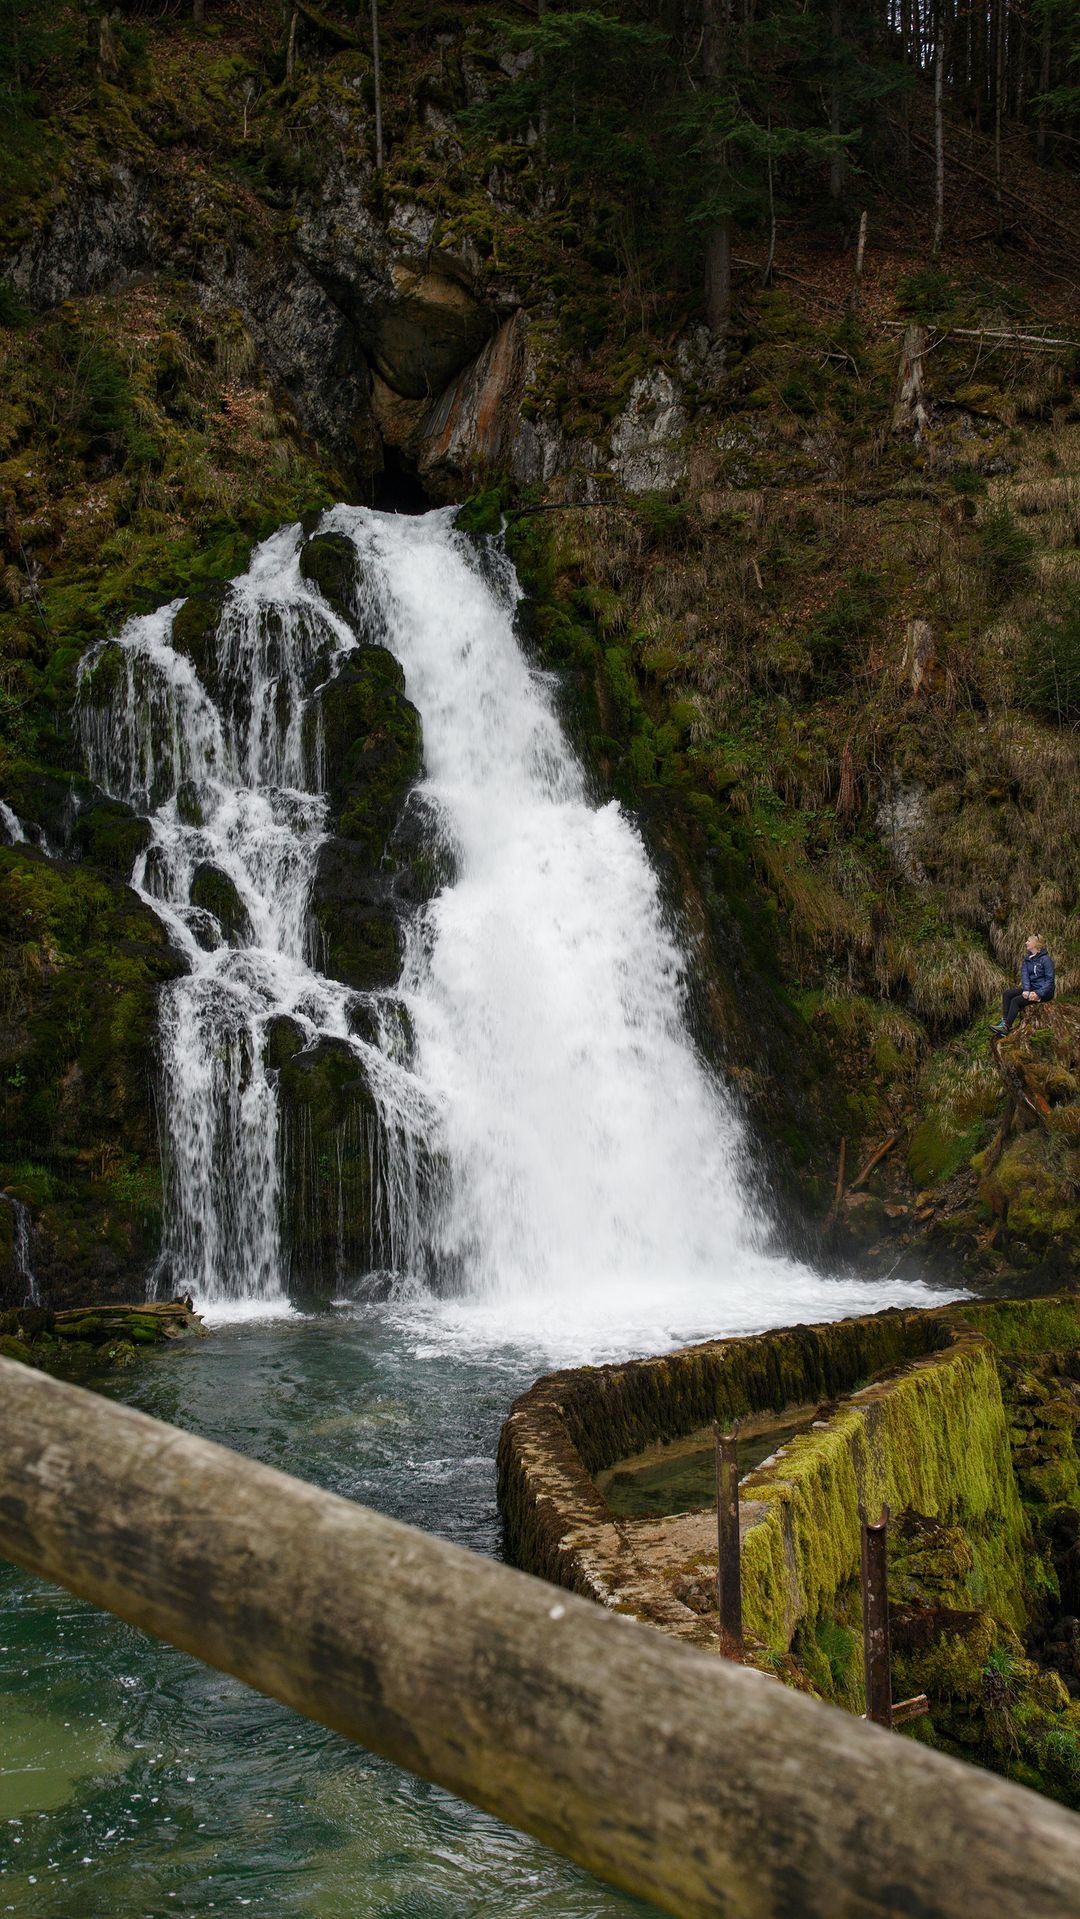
900 1450
938 1148
329 562
371 741
1016 1326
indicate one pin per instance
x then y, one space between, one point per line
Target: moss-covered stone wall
968 1432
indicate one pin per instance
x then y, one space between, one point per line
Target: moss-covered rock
212 891
329 562
112 835
372 744
85 960
330 1146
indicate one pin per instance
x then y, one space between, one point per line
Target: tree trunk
198 11
910 413
836 158
939 133
766 278
378 86
998 52
714 44
1044 81
290 51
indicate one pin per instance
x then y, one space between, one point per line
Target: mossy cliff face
972 1443
820 646
83 962
369 736
329 1145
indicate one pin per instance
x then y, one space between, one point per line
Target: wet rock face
340 298
194 631
364 879
423 335
86 960
212 891
328 1130
357 921
328 562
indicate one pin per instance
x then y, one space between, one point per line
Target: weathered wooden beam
682 1778
877 1657
905 1709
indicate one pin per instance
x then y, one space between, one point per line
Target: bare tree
378 85
716 19
837 167
939 127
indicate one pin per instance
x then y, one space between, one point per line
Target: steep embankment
823 634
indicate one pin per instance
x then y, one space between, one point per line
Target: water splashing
537 1142
224 753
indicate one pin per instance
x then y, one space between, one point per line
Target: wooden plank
682 1778
877 1671
907 1709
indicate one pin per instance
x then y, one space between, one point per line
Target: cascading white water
22 1261
592 1183
597 1178
230 781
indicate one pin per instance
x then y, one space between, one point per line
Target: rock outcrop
83 960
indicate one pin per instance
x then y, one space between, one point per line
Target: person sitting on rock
1036 983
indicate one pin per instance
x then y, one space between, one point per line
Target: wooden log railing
687 1780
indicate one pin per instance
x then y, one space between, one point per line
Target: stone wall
963 1420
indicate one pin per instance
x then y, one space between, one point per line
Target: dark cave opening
399 488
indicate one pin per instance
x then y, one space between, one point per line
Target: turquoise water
138 1782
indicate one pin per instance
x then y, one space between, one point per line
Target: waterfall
21 1258
219 753
12 825
589 1169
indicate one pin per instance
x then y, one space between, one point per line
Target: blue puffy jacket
1037 974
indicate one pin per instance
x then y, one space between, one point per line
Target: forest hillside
757 330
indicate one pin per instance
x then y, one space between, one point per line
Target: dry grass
948 981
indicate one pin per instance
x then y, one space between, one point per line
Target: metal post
728 1554
875 1603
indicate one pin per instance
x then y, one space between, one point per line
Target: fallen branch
874 1159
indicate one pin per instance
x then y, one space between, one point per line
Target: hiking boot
1000 1029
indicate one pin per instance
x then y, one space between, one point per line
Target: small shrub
928 294
665 521
840 633
1051 684
1005 554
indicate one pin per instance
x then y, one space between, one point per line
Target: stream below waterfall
139 1784
555 1176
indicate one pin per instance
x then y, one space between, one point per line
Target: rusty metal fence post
728 1550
